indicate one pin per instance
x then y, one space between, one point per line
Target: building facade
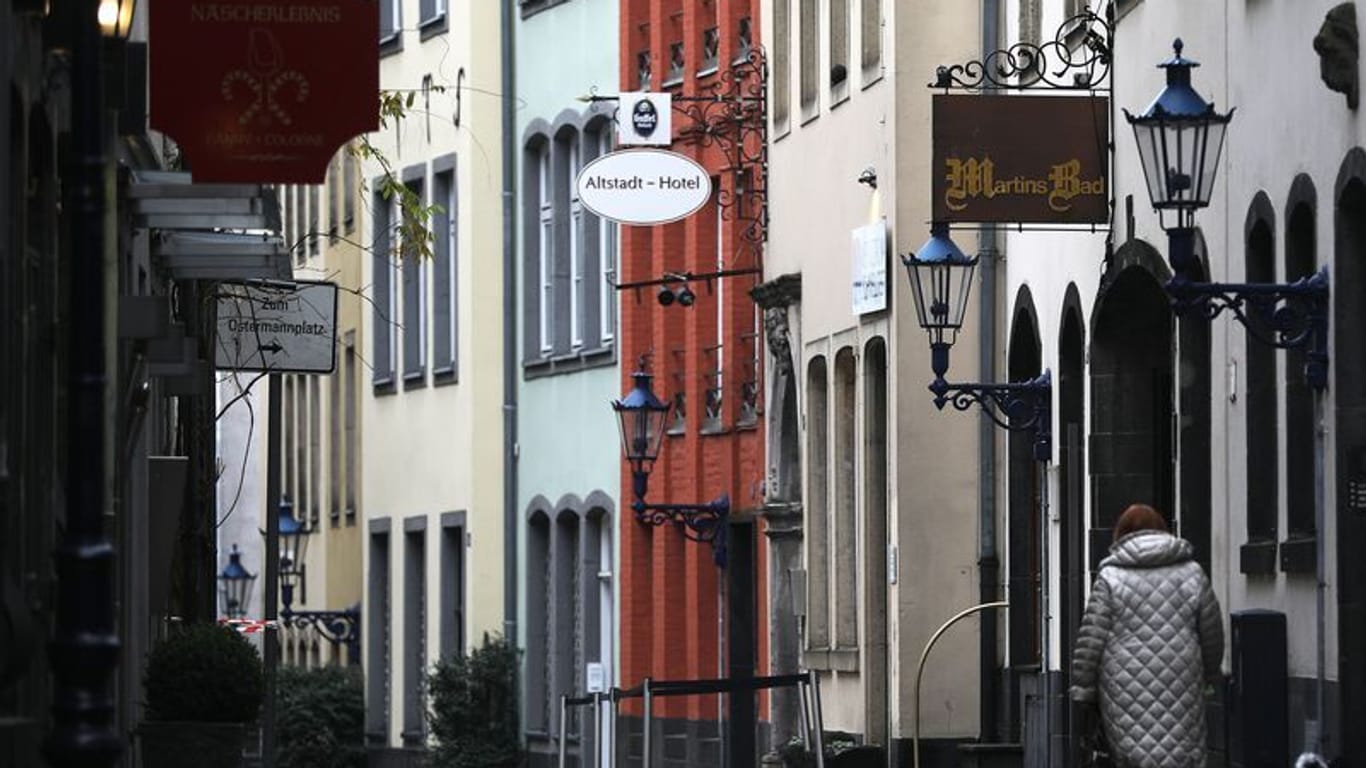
432 462
567 465
682 616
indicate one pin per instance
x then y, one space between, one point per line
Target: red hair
1139 517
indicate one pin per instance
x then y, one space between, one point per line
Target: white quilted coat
1151 638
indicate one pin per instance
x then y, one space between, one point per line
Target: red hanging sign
260 91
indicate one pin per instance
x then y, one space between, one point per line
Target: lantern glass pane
1148 136
1212 145
915 271
964 288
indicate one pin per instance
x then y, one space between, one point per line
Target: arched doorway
1025 520
1349 364
1131 457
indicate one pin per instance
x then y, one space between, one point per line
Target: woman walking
1151 639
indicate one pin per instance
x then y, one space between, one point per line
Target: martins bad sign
1021 159
644 186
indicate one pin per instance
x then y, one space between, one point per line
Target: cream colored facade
433 455
889 484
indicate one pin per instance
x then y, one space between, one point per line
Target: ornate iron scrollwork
336 626
1077 58
1020 407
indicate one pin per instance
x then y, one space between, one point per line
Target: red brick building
682 617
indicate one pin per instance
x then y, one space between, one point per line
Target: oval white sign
644 186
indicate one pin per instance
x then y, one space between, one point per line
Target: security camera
666 296
686 297
869 177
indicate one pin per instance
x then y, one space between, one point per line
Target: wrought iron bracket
705 523
336 626
729 111
1281 315
1025 406
1076 59
670 278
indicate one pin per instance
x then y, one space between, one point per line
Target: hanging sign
1021 159
277 326
259 91
644 119
644 186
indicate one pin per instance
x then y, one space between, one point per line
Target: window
643 70
607 239
810 55
538 606
711 44
433 12
713 376
297 233
351 405
782 51
414 302
414 629
315 448
288 472
445 277
871 33
1298 553
566 607
839 46
817 507
545 252
334 186
845 556
390 21
334 446
452 584
1259 405
314 225
377 638
299 426
348 190
383 296
577 301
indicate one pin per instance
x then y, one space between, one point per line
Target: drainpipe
509 343
988 564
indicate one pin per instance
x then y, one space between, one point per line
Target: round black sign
644 117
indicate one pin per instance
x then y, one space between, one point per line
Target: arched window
1301 258
1261 392
817 505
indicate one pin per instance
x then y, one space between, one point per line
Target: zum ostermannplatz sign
644 186
1021 159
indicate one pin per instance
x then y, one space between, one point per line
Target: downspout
509 345
988 564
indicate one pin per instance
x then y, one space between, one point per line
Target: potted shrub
203 684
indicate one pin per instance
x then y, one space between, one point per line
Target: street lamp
941 279
237 584
116 17
1180 137
337 626
642 417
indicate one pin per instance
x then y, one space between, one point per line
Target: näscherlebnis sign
260 91
1021 159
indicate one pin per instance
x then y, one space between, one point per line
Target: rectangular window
845 555
607 239
334 187
414 303
839 46
810 55
817 507
352 405
334 447
382 290
578 303
348 190
390 20
377 641
546 266
711 48
288 472
453 585
445 277
782 57
314 214
414 633
315 448
871 33
297 210
300 428
433 11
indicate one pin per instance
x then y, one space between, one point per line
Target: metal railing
807 684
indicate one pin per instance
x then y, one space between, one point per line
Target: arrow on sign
273 346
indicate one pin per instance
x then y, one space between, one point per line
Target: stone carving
1337 46
778 338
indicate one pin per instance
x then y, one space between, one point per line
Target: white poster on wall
869 278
